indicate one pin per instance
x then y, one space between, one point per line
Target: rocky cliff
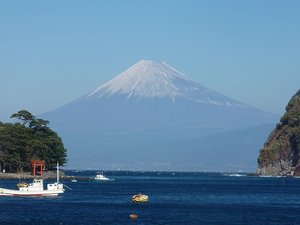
281 152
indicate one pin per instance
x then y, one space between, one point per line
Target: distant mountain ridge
149 103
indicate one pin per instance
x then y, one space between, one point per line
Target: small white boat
36 188
101 177
74 180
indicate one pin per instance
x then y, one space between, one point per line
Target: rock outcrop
281 153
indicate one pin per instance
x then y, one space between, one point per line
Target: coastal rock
297 172
280 155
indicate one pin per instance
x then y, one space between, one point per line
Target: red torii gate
36 163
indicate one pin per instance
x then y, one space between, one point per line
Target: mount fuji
152 117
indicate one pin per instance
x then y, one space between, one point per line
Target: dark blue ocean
174 198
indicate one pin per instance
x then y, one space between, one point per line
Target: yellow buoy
140 198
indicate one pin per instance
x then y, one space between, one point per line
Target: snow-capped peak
156 79
146 79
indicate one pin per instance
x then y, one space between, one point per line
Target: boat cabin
36 185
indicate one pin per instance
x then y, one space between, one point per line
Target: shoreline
15 175
47 175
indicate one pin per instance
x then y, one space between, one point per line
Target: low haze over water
174 198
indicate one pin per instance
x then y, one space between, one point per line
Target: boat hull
103 179
8 192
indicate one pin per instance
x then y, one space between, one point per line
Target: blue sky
52 52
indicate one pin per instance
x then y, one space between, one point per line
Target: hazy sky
52 52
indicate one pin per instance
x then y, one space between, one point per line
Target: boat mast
57 172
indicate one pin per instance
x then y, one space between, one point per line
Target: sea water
174 198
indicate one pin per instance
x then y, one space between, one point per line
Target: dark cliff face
281 152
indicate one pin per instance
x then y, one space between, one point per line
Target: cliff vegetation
280 154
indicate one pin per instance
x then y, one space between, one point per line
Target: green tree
24 116
32 139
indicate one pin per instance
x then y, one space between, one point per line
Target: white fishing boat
101 177
36 188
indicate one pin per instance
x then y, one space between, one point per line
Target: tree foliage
31 139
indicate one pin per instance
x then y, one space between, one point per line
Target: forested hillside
29 139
